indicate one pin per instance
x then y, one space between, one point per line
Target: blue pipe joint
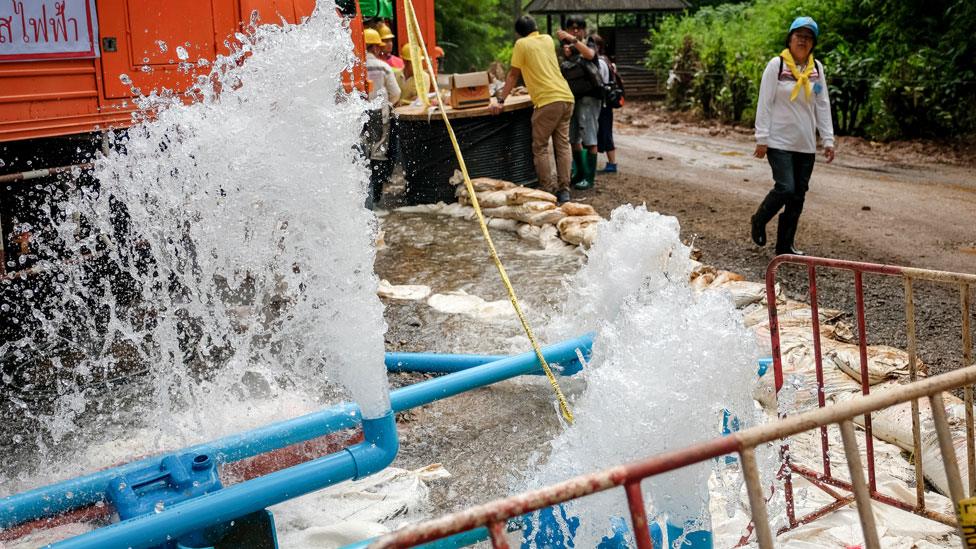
380 445
153 489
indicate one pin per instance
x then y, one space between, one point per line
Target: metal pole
497 532
912 376
757 501
44 172
861 494
862 341
948 458
638 515
967 353
818 357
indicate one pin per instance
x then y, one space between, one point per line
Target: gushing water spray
667 363
235 268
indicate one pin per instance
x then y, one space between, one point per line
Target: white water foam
250 254
666 363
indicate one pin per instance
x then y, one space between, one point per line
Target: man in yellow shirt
534 59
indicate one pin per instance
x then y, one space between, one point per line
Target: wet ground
482 436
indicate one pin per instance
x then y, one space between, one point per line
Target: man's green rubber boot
589 174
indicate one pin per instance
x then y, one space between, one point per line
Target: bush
894 68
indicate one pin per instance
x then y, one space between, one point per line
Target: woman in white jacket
793 107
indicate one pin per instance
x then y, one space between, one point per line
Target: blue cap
807 22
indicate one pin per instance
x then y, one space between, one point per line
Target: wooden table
417 113
498 146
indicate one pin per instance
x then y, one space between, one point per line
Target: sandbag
702 281
546 236
482 184
503 224
787 310
512 196
461 302
520 212
800 373
487 199
579 230
548 217
407 292
725 277
743 292
884 363
575 208
894 425
524 195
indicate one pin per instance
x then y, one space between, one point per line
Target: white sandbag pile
575 223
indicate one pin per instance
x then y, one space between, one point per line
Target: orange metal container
62 97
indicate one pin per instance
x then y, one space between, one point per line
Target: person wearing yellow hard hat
387 36
407 52
384 94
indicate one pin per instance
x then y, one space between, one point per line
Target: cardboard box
470 90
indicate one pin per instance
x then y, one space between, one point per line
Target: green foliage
895 68
473 33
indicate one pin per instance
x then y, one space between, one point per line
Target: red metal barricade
824 479
494 515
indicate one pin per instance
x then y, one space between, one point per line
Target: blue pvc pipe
436 363
90 489
370 456
442 363
428 391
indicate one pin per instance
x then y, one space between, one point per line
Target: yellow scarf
802 78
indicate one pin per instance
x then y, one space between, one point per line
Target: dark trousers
791 173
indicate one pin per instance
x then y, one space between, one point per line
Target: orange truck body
58 97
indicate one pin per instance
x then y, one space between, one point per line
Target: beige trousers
552 121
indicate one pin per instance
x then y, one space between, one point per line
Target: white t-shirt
383 79
604 69
792 125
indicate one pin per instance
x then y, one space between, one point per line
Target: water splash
223 258
667 362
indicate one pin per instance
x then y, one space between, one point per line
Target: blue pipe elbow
379 447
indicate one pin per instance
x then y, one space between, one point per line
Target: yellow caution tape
563 405
417 56
966 509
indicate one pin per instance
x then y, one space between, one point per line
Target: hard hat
438 51
806 22
372 37
385 32
406 49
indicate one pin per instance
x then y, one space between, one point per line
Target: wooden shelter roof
604 6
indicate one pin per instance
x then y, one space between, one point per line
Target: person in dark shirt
584 126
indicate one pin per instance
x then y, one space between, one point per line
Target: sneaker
609 168
562 197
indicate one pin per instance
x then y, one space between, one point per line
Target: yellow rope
414 24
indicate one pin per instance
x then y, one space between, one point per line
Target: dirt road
882 208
